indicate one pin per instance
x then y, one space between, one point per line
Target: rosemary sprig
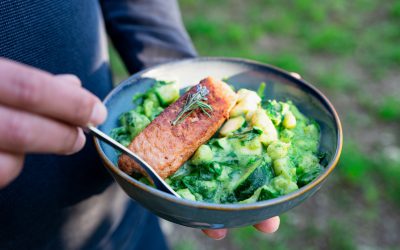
194 101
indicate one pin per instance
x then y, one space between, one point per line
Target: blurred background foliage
351 51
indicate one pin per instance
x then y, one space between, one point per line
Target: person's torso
68 200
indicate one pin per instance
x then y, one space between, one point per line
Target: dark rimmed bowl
240 73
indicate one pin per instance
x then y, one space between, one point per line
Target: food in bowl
176 133
266 148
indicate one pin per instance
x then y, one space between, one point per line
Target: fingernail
219 235
268 226
99 114
216 234
80 142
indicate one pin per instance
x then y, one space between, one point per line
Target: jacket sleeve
146 32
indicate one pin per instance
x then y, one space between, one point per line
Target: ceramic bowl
280 85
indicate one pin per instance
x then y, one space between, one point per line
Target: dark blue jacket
70 202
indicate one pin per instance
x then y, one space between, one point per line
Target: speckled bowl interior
240 73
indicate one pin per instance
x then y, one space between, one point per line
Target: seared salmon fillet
165 147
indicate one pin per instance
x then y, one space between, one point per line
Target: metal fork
157 180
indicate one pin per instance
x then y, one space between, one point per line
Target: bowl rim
235 206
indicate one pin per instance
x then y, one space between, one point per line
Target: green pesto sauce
246 164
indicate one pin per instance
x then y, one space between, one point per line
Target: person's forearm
146 32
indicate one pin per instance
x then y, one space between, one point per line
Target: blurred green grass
348 49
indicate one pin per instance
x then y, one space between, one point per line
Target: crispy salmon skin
166 147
